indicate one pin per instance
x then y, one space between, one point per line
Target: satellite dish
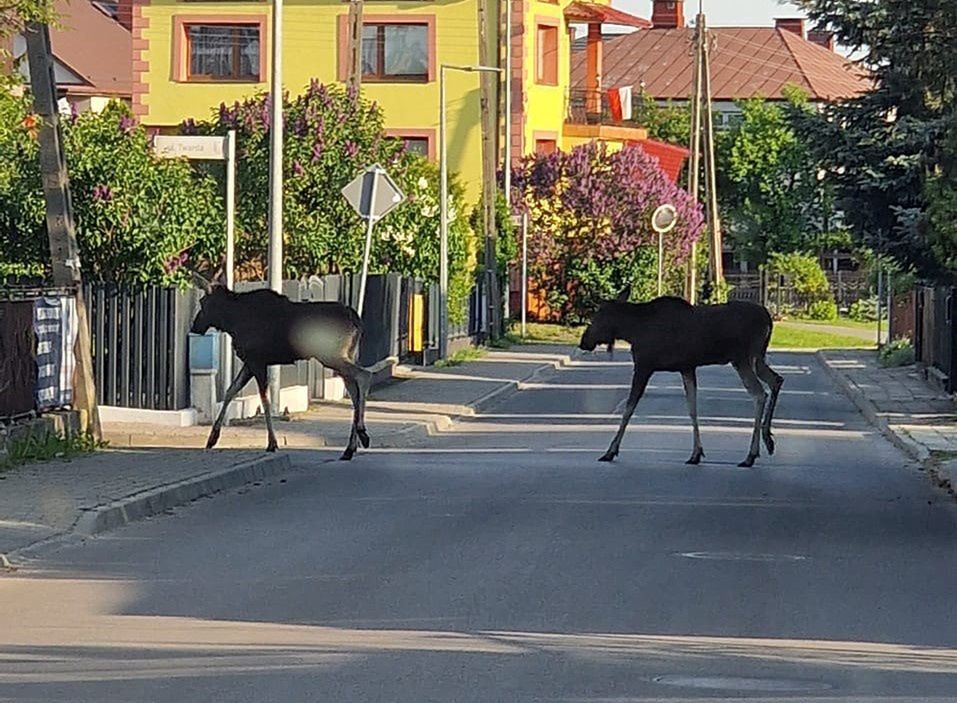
664 219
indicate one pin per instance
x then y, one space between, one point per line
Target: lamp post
444 204
275 180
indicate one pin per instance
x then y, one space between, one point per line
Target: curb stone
154 501
943 473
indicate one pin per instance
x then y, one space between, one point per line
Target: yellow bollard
417 323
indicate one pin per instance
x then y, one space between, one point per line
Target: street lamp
444 204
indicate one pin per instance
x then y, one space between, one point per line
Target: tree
589 225
667 123
770 193
14 14
332 134
888 151
138 218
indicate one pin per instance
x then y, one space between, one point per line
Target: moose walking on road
670 334
269 329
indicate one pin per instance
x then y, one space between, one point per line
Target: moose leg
357 381
690 379
638 383
242 378
774 381
263 382
760 396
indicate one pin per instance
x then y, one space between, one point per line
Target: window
395 52
545 146
223 52
417 145
546 63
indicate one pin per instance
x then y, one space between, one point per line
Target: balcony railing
587 107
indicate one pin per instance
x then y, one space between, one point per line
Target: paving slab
914 415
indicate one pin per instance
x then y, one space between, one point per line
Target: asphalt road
503 563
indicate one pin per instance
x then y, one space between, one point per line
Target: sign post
372 194
663 221
199 148
524 273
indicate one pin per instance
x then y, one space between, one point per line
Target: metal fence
140 352
934 334
779 295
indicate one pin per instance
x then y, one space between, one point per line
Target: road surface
502 563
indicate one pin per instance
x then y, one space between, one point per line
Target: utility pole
64 251
694 167
355 45
716 268
508 105
489 124
275 181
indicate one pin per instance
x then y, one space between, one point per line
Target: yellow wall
310 50
545 105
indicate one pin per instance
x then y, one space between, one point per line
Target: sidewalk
150 469
914 416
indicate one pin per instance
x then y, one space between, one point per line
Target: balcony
585 106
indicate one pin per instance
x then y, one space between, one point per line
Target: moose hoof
271 447
695 458
769 443
211 442
748 462
607 457
363 438
347 455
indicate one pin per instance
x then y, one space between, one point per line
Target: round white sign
664 219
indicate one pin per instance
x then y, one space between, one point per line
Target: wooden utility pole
355 45
489 122
694 167
64 251
715 268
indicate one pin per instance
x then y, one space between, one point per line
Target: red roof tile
670 156
95 47
746 62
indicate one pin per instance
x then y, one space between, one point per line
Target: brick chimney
822 37
124 13
791 24
668 14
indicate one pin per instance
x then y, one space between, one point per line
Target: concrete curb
154 501
944 473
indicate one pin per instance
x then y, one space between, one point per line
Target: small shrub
900 352
48 446
865 310
825 310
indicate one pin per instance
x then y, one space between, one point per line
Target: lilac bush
590 229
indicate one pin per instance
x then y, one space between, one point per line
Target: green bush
825 310
804 273
331 135
900 352
138 218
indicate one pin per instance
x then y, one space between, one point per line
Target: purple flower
189 126
316 151
352 149
102 194
297 168
127 124
174 263
74 113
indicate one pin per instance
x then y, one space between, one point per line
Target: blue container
204 350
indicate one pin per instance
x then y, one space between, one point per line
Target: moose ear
219 276
624 294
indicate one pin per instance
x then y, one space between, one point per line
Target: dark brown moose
269 329
669 334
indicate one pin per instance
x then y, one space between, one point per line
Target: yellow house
190 56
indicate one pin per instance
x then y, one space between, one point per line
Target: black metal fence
934 338
140 351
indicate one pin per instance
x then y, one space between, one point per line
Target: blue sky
744 13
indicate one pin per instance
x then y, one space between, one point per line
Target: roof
670 156
746 62
592 13
94 47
